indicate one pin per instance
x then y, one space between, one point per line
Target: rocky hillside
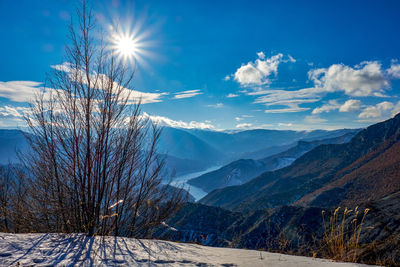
243 170
325 176
293 229
235 173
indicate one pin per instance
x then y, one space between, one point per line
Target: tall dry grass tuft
342 233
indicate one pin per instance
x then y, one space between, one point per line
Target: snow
80 250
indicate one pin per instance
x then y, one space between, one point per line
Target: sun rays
131 43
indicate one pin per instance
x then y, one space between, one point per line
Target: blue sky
226 64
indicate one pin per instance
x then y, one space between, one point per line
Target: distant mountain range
192 150
10 142
365 168
243 170
259 143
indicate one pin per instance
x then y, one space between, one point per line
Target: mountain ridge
243 170
308 173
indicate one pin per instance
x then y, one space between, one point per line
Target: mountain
372 176
10 142
177 166
366 168
287 157
172 190
259 142
243 170
174 140
257 229
266 152
235 173
188 150
181 144
291 229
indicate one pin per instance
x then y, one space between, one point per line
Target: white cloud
365 79
258 72
261 55
12 116
19 91
242 117
13 112
187 94
218 105
133 96
291 59
394 71
331 105
291 102
281 124
350 105
65 67
179 124
377 111
313 119
244 125
25 91
232 95
396 109
264 126
227 78
277 97
380 111
290 99
290 109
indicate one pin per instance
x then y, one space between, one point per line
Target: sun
131 42
126 46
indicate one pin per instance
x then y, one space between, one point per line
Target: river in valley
196 192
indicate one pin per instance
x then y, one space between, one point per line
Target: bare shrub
93 165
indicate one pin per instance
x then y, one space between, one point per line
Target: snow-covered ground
80 250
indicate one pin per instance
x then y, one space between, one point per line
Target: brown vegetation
342 234
93 165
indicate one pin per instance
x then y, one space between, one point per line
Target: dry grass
342 233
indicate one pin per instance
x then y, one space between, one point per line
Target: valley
200 133
182 181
